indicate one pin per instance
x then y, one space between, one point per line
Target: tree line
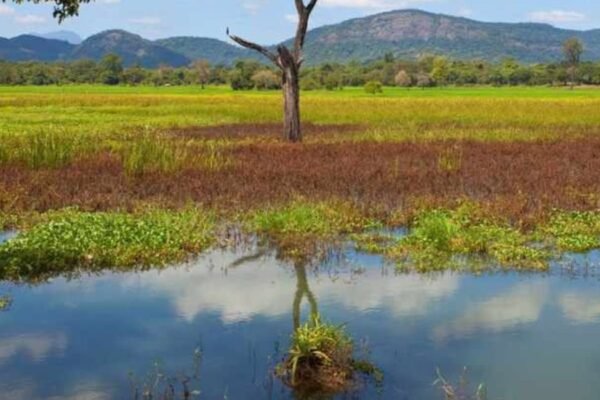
427 71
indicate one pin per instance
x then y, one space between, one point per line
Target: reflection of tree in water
303 290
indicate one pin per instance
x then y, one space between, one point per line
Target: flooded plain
221 324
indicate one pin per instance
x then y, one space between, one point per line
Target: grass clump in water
68 241
319 360
296 227
572 231
5 302
439 235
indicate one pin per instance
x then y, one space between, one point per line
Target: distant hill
213 50
28 47
133 49
405 33
411 33
65 36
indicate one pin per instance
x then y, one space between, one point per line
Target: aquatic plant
460 391
5 302
71 240
438 235
320 359
572 231
161 385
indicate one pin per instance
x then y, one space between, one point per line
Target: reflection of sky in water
525 336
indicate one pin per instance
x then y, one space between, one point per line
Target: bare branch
253 46
303 17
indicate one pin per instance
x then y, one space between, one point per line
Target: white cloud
253 6
6 10
557 16
146 21
465 12
29 19
521 305
373 4
110 1
291 18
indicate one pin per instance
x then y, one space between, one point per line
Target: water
525 336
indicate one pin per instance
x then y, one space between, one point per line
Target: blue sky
270 21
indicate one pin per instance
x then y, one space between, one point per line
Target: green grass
297 227
441 239
66 241
106 113
573 231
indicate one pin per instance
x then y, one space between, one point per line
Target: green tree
266 80
111 69
573 49
201 71
440 70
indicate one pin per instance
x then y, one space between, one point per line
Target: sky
272 21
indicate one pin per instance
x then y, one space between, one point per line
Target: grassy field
521 157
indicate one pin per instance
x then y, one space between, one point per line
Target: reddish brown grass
264 130
519 180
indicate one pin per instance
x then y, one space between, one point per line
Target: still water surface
524 336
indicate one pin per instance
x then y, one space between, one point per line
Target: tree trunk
291 102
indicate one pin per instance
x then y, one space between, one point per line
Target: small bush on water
319 359
5 302
70 240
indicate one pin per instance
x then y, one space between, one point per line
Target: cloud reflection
580 308
520 305
36 346
265 287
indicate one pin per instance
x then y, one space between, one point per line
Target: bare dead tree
289 61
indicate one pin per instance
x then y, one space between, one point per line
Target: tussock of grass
70 240
152 152
319 360
42 148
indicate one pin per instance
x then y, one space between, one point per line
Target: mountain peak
406 33
65 36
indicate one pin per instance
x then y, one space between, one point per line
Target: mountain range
405 33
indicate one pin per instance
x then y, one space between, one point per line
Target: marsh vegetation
100 180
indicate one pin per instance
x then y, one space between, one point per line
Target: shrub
373 87
403 79
266 80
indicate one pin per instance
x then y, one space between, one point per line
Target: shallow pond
524 336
